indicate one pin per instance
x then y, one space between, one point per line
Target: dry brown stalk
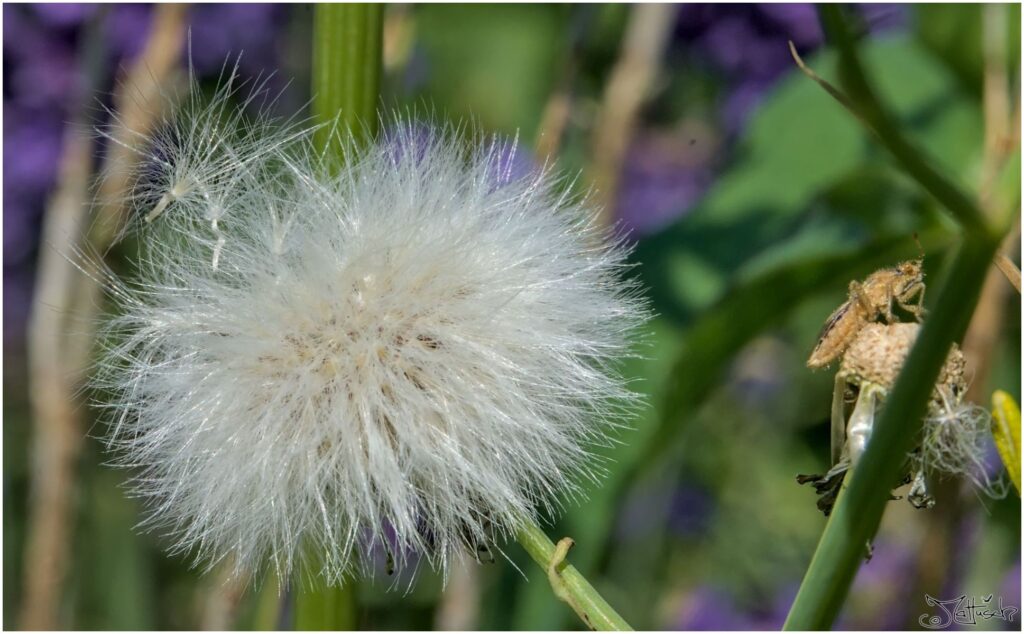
58 347
628 88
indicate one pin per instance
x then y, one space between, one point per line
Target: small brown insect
868 301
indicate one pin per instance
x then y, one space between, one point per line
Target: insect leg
890 295
916 309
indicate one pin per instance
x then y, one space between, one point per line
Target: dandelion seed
412 345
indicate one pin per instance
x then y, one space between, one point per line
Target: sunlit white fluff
422 345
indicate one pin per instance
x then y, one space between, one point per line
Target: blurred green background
753 199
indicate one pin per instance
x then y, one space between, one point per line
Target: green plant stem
572 587
347 59
858 512
347 54
325 608
267 611
865 104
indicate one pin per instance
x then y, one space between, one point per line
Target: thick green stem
567 582
347 54
858 512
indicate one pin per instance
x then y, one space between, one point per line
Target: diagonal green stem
567 582
347 54
858 512
865 104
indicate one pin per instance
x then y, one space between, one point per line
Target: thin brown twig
996 93
836 94
221 603
628 88
559 107
57 432
140 102
983 334
1008 268
58 352
553 121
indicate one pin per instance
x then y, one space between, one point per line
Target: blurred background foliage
753 200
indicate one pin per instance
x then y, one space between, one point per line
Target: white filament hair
415 352
955 436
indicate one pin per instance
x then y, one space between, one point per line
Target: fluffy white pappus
417 352
955 438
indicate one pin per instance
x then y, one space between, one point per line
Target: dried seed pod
877 354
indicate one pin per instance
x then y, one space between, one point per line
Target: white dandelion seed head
423 345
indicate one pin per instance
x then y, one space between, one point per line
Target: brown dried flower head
877 354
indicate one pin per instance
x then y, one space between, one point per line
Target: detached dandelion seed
421 346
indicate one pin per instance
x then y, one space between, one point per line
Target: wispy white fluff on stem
955 436
421 346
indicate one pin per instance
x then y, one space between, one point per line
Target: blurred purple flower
708 608
691 510
126 27
798 20
1010 590
744 46
31 153
883 583
743 101
748 44
223 31
687 510
663 175
883 17
64 14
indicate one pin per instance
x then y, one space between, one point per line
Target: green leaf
494 64
1006 432
783 166
801 147
935 113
